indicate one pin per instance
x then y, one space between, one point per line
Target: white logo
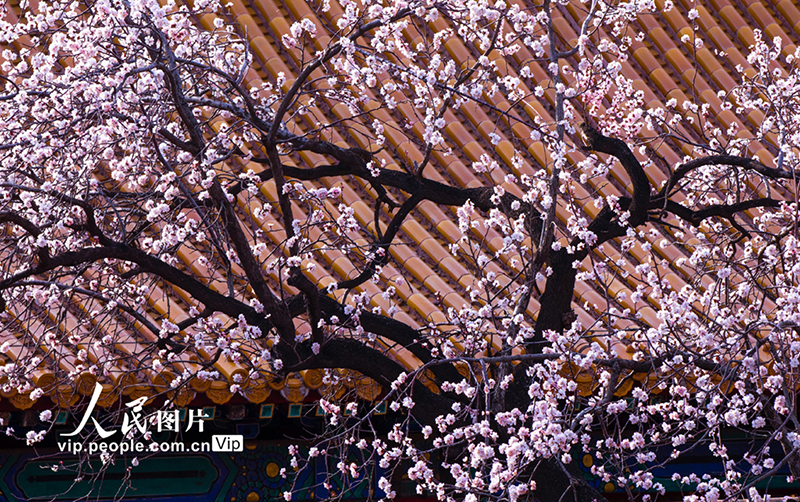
134 420
168 420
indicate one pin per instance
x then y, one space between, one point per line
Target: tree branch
716 160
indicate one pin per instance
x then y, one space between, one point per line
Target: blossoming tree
625 282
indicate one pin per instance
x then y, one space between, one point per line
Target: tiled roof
662 67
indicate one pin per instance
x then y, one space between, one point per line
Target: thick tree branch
597 142
727 211
278 312
31 228
430 190
354 355
380 249
722 160
396 331
150 264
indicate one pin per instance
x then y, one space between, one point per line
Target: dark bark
556 481
353 164
147 264
640 184
727 211
722 160
279 313
354 355
396 331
